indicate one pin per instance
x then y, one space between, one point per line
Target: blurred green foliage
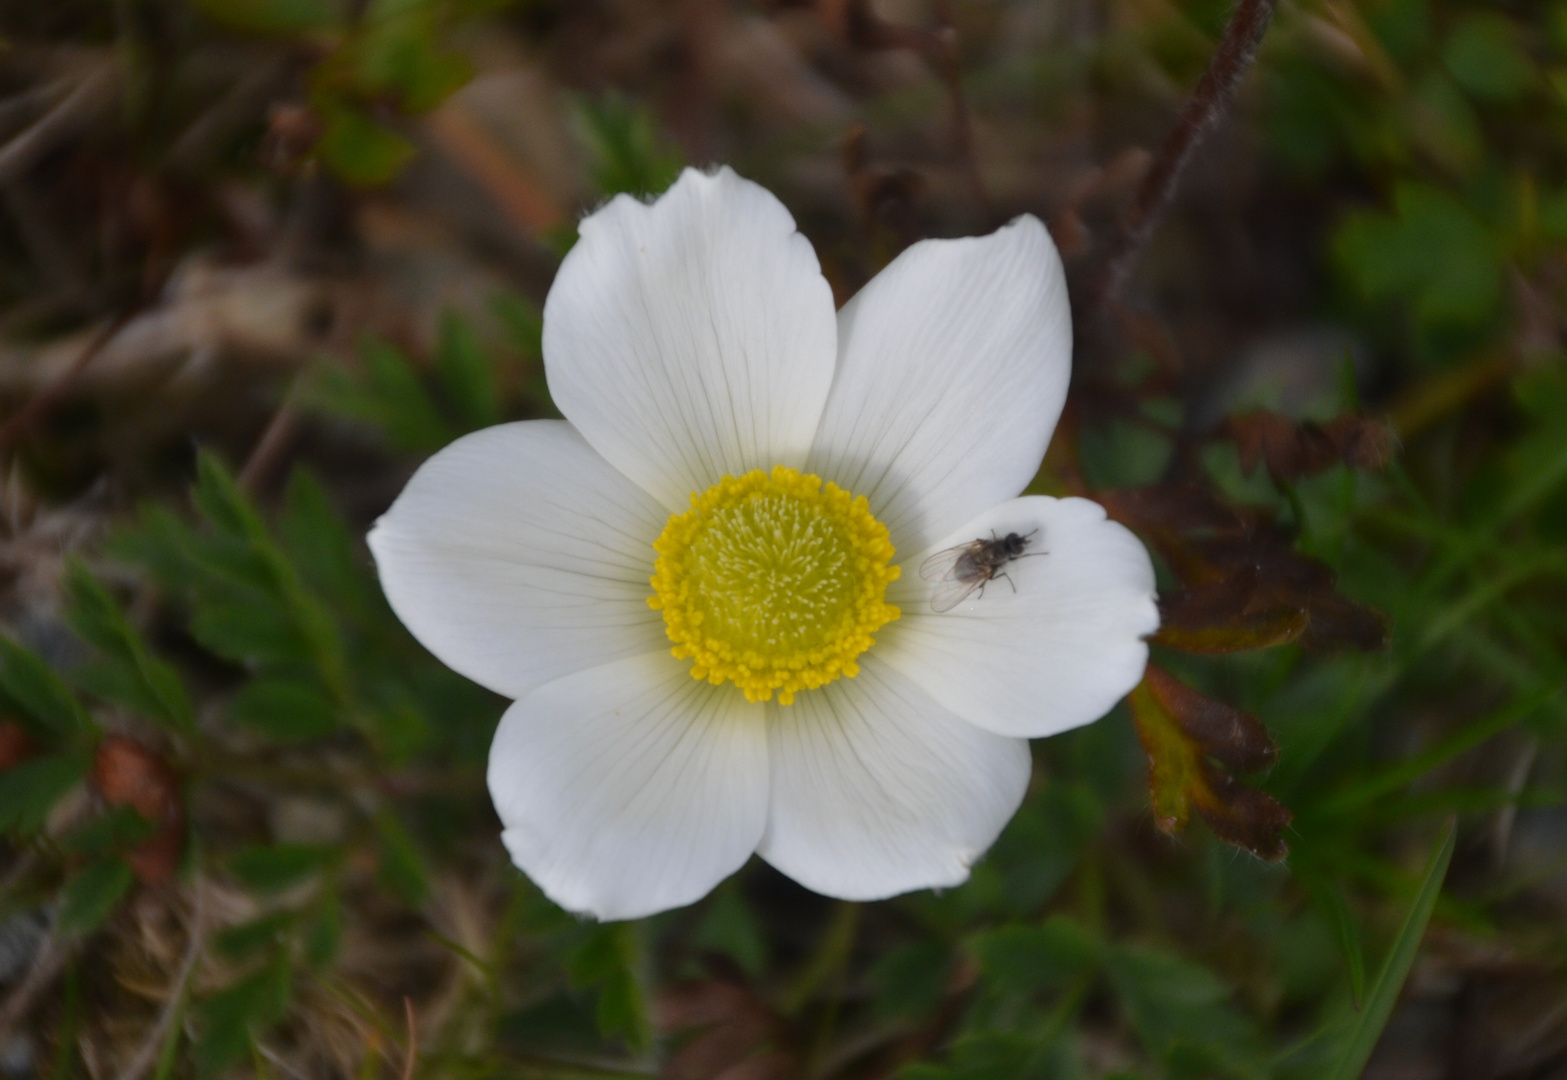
270 662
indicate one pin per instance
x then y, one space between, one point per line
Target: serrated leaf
38 693
1180 729
388 396
30 790
1431 252
274 868
319 543
142 682
259 633
287 710
92 894
1179 1007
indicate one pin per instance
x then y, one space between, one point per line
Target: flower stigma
774 582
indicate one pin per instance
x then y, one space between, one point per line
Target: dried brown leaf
1291 450
126 773
1187 737
16 746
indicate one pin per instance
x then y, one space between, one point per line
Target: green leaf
251 604
38 693
911 981
388 396
117 830
319 543
609 961
1430 252
231 1019
1373 1017
729 926
29 791
523 322
629 155
271 869
360 150
1330 901
402 869
285 709
273 16
1486 55
322 935
259 632
1006 1056
400 55
137 678
1178 1007
466 376
92 894
1023 962
247 939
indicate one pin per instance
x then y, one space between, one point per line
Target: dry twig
97 91
1209 102
147 1053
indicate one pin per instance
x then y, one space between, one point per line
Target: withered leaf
1291 450
1245 586
1228 616
16 745
1188 737
126 773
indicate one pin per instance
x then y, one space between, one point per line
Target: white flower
788 462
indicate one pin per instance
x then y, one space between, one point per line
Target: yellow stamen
774 582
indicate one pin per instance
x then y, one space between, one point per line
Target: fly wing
943 566
952 592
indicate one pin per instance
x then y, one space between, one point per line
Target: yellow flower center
774 582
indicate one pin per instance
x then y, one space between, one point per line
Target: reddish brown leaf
16 746
1246 587
1242 815
1291 450
126 773
1236 738
1228 616
1187 736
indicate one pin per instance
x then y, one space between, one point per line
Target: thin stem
1209 102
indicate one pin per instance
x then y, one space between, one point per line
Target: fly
967 568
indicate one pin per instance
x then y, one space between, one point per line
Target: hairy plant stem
1208 104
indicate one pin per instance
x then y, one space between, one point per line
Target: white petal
631 788
518 555
1052 646
952 368
692 338
878 790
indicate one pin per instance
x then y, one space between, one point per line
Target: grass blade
1395 969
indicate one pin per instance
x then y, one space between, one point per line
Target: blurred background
259 258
